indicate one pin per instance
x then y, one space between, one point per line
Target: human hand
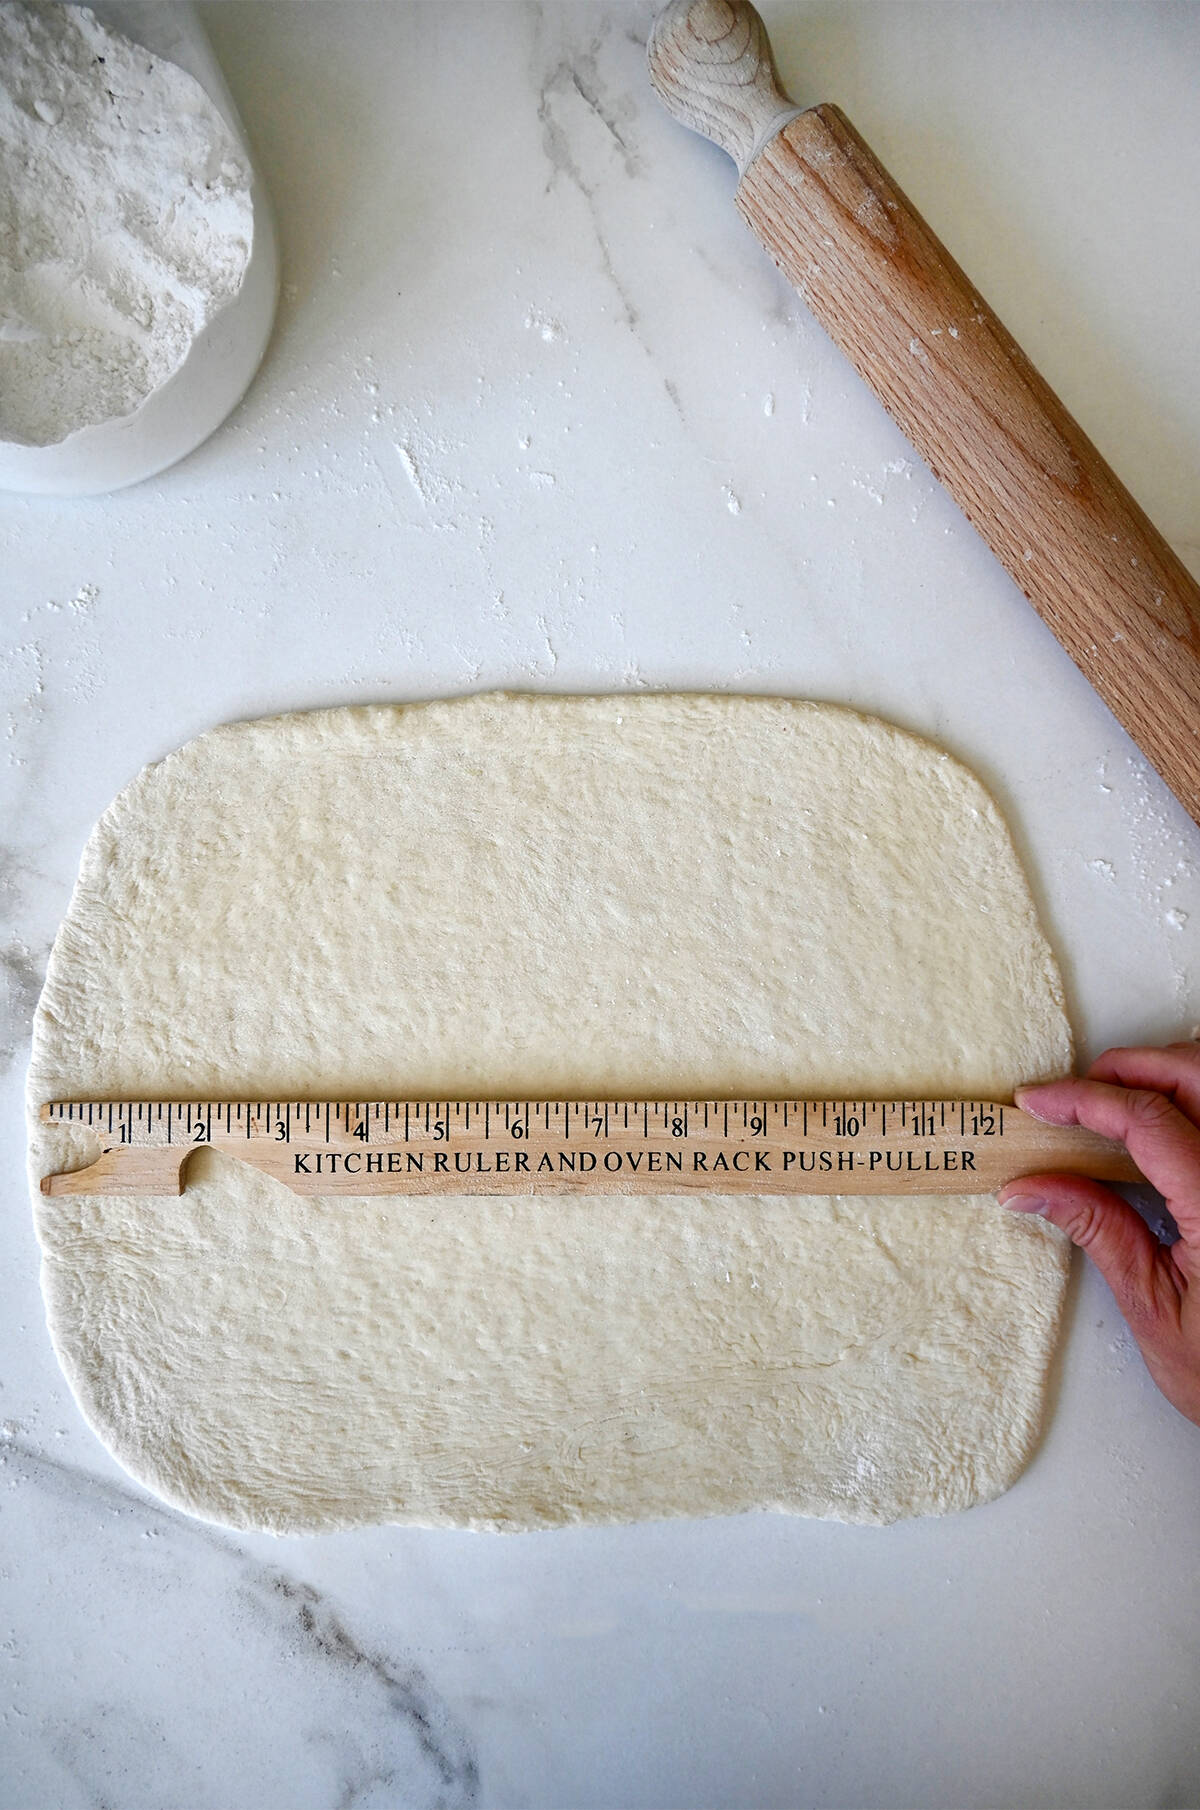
1148 1099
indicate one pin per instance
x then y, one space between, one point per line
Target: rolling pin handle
711 65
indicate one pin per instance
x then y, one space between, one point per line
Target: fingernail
1026 1203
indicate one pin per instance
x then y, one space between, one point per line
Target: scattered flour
125 221
544 325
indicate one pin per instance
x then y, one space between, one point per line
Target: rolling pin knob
711 65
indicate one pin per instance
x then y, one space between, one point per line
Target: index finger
1174 1071
1162 1142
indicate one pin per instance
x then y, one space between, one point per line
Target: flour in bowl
125 221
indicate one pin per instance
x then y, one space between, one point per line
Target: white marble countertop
539 413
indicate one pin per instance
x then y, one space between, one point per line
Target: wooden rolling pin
990 428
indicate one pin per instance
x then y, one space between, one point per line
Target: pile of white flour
125 221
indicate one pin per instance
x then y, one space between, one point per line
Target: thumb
1116 1238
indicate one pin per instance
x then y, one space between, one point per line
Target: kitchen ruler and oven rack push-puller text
582 1146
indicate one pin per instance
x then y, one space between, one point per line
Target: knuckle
1081 1220
1150 1111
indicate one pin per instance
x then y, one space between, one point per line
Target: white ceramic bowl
194 401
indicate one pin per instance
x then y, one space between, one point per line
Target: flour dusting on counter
125 221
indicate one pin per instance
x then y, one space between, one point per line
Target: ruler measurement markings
977 1127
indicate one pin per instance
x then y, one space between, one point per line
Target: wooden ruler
582 1146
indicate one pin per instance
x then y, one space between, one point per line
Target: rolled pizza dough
506 895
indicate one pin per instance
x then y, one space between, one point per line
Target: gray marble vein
22 971
539 412
576 78
272 1682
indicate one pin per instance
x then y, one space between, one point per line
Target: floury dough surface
654 894
125 221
